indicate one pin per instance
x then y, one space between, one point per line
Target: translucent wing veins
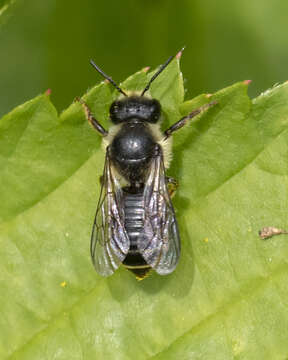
109 241
160 242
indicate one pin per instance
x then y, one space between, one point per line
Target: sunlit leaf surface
227 298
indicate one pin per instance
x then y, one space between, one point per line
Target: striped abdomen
134 215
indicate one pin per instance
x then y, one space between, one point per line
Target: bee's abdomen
134 215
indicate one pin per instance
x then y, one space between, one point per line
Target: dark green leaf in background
48 44
227 298
5 9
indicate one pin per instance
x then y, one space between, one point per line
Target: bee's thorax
132 150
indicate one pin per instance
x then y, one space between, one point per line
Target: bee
135 223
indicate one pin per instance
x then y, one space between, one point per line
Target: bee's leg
179 124
172 185
94 122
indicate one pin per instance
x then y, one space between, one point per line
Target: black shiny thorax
132 149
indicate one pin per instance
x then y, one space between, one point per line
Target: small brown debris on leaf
269 231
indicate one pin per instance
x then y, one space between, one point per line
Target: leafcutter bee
135 222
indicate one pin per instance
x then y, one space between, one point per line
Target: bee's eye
115 107
116 112
155 111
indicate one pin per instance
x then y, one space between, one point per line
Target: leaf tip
179 54
146 69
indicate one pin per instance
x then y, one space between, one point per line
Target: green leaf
5 9
228 296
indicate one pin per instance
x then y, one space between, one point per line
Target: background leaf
5 9
227 298
48 44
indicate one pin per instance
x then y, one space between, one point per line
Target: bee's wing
109 241
160 242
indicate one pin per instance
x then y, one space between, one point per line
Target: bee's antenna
161 68
107 77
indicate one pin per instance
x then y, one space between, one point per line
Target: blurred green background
48 44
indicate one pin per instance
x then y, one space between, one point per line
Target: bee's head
135 106
139 107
